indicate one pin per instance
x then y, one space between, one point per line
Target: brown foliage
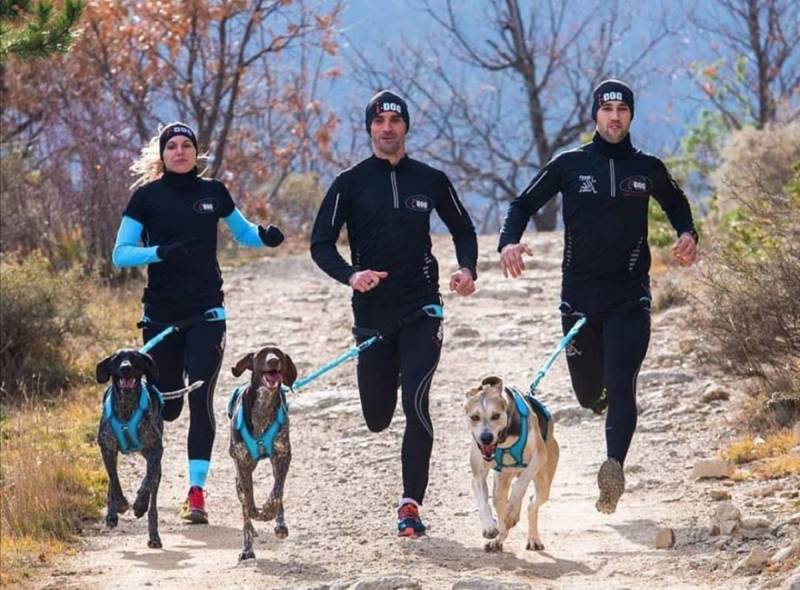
248 75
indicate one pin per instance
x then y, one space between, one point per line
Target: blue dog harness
516 450
258 447
127 433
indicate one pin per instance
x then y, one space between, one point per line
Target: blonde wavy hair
149 166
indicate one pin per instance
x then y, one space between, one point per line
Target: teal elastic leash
343 358
568 337
431 311
215 314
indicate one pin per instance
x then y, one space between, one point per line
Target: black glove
177 252
270 235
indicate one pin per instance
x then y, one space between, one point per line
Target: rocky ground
343 486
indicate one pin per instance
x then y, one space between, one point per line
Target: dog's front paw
247 554
123 505
534 545
493 546
154 542
112 520
140 506
490 533
270 509
281 531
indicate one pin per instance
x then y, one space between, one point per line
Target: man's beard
389 146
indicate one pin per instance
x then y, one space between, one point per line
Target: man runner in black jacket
386 202
605 185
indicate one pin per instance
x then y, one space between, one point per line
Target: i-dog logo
206 205
636 185
419 203
613 95
390 106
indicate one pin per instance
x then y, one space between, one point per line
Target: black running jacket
606 189
387 211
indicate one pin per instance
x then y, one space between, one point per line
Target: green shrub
752 271
38 309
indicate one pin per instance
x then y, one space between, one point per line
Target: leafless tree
501 99
756 76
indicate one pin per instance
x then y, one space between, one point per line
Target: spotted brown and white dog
514 436
259 430
128 396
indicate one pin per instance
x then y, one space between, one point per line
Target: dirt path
344 481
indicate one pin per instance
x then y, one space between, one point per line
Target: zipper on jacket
613 177
393 178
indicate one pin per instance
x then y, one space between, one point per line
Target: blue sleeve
127 251
244 232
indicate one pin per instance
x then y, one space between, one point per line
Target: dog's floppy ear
493 382
243 364
289 371
473 392
150 368
103 370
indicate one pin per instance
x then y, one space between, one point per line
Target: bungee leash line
563 343
430 311
215 314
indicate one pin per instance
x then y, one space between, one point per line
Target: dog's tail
168 395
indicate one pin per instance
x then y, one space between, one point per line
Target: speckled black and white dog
131 422
260 429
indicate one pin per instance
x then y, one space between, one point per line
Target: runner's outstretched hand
511 259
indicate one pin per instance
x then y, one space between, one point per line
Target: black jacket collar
612 150
181 180
386 165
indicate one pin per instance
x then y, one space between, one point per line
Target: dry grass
51 475
52 480
778 467
755 448
772 457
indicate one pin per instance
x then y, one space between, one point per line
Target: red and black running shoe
194 508
409 524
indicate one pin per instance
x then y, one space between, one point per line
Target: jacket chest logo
636 186
420 203
205 206
588 183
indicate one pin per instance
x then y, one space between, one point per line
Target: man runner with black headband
386 202
606 186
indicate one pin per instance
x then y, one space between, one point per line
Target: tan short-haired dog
513 434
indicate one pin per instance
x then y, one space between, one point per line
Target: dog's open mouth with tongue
487 449
127 383
271 379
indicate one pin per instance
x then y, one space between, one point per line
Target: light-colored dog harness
516 450
262 446
127 433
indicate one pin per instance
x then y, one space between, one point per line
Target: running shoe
194 508
409 524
